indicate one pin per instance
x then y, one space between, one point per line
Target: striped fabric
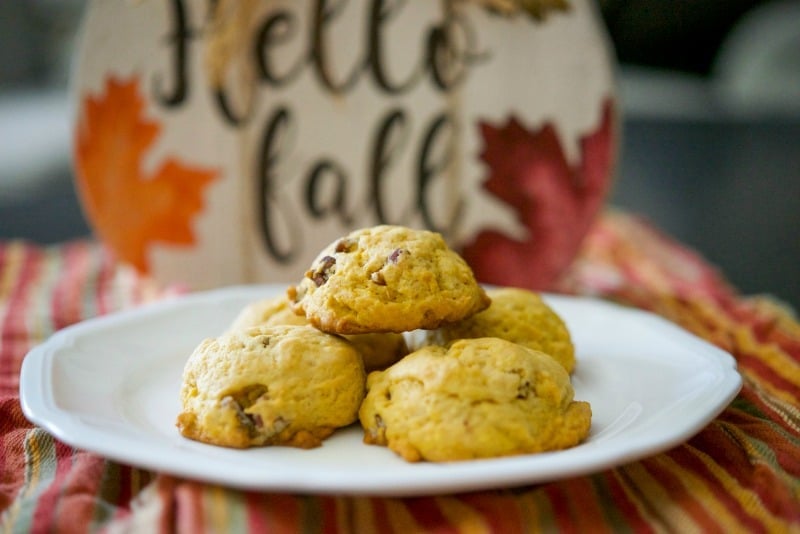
739 474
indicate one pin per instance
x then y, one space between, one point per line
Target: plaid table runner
740 473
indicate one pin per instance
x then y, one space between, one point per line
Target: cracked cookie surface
519 316
279 385
387 279
479 398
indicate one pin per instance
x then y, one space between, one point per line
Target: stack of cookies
488 377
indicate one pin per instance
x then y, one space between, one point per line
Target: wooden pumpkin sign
221 142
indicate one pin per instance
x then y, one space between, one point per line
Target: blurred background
711 141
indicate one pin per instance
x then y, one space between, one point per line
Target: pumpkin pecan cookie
387 279
280 385
516 315
479 398
270 311
378 351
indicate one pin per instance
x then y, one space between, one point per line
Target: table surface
740 472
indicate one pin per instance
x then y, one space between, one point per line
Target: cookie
378 351
479 398
520 316
274 311
387 279
279 385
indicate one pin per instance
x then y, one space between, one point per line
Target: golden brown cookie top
478 398
520 316
378 351
279 385
387 279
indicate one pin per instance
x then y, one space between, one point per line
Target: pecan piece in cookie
323 272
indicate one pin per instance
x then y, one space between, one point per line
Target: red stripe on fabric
680 494
181 504
761 479
381 516
272 513
559 504
102 294
329 515
125 489
428 515
763 430
256 517
499 510
13 427
766 322
753 364
45 513
585 508
689 461
77 499
625 507
766 424
727 453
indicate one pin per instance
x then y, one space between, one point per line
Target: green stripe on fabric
108 494
653 499
311 516
760 446
765 455
613 516
744 405
536 510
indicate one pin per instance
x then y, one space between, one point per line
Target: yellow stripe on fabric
461 516
536 511
137 481
787 412
399 516
708 321
703 495
217 509
760 453
703 318
749 500
12 266
39 322
40 469
782 364
654 502
344 522
363 518
636 499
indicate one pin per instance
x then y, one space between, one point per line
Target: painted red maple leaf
130 209
555 202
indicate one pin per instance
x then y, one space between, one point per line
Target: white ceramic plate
110 385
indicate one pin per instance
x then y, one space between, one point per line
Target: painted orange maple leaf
128 208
